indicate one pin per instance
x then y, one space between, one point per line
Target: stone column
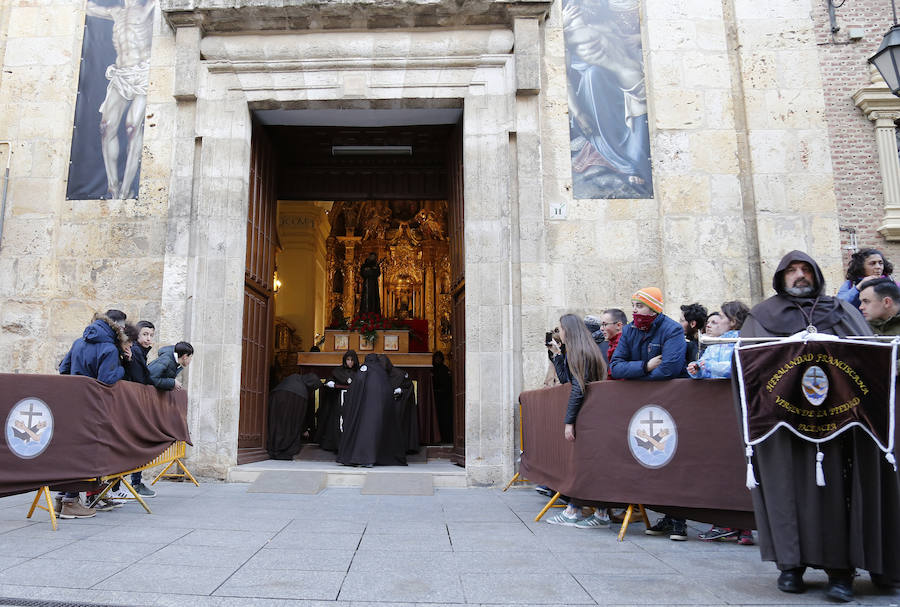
886 140
350 270
302 230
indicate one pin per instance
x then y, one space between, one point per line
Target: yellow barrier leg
44 492
50 508
106 489
644 515
164 470
136 495
625 521
511 481
547 507
187 473
38 495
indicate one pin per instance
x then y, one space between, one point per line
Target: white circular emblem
815 385
652 436
29 428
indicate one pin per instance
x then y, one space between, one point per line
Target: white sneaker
119 494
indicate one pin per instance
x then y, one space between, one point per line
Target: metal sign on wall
608 127
105 160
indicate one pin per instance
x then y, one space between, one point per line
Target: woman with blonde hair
582 363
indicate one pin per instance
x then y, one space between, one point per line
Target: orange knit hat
651 296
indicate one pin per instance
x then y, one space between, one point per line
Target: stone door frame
220 80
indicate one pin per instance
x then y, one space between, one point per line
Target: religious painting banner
608 126
672 445
107 140
817 386
59 429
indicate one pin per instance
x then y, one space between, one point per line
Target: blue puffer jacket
95 354
716 359
664 337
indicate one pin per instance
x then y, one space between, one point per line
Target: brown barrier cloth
704 481
97 429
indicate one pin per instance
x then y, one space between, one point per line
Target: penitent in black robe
371 433
443 400
288 404
407 407
330 408
854 520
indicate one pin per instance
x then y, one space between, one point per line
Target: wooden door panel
259 304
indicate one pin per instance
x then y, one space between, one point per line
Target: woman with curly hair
865 265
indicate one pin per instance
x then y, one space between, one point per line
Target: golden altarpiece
409 239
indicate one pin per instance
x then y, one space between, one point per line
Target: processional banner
107 139
817 386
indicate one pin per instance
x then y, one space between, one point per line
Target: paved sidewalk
219 545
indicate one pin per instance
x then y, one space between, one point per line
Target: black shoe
545 490
791 580
664 526
679 530
883 582
840 589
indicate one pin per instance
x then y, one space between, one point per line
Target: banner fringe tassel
890 458
820 474
751 477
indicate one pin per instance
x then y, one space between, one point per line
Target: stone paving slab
218 546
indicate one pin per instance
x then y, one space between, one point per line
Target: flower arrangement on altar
368 324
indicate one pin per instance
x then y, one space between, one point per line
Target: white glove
330 384
349 380
364 368
398 391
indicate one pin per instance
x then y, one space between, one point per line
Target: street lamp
887 59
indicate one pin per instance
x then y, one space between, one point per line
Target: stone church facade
762 133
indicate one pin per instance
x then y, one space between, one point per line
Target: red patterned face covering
643 321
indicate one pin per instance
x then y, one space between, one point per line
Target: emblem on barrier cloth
652 436
29 428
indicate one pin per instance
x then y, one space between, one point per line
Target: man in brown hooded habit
845 525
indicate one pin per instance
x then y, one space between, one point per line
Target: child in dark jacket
166 367
141 336
96 353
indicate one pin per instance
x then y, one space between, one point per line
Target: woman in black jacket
583 364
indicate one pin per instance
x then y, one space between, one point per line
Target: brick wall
854 157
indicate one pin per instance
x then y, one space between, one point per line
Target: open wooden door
259 303
458 291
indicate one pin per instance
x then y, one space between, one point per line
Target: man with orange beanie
652 346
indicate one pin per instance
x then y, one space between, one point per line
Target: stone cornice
215 16
876 100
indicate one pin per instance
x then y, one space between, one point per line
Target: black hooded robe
329 415
288 403
371 433
407 407
854 520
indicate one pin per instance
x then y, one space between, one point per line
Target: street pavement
217 545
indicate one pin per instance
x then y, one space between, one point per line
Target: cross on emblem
816 374
651 422
30 413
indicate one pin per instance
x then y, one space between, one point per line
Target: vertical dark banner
105 161
608 127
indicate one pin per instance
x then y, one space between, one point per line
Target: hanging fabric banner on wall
105 161
608 127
